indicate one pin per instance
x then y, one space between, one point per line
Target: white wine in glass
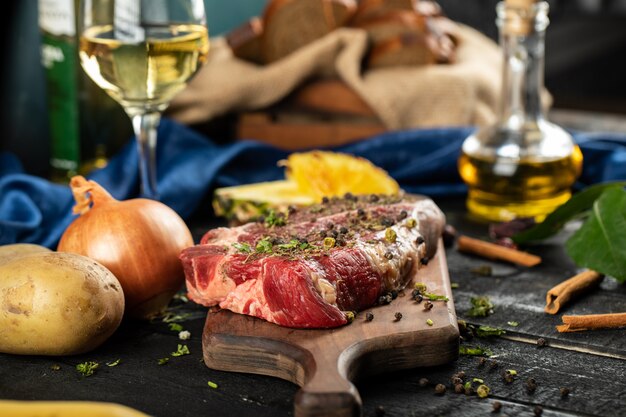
142 53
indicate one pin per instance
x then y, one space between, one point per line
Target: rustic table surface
591 364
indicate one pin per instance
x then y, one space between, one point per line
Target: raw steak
307 268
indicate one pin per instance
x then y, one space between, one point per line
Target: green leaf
182 350
576 206
264 246
600 243
242 247
87 368
435 297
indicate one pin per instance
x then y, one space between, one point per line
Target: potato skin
54 303
8 252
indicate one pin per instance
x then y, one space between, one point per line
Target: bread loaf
343 11
409 49
292 24
372 9
245 41
393 24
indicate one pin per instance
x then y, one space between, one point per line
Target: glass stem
145 126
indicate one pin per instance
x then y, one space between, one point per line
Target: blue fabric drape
33 210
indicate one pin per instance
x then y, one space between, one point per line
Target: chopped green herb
55 367
435 297
454 285
477 380
114 363
212 384
512 323
264 246
487 331
242 247
293 244
420 287
170 317
429 322
482 270
180 297
467 385
163 361
482 391
481 307
182 350
272 219
390 235
474 351
350 316
175 327
87 368
329 243
410 223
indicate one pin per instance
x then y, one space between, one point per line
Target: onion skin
138 240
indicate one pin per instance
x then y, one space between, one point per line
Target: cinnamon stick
567 290
497 252
592 322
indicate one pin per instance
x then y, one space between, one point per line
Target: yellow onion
138 240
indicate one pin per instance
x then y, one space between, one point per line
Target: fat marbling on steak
306 268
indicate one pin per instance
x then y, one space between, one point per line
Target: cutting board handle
327 392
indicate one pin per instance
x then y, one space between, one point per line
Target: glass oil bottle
523 165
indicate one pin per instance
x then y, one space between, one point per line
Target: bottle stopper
519 16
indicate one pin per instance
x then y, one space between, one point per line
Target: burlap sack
463 93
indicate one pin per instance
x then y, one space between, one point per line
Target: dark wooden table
591 364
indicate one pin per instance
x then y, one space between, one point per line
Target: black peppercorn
424 260
334 233
419 240
398 316
374 198
389 255
325 200
538 410
360 212
348 196
460 374
440 389
386 221
428 306
291 209
482 362
564 392
493 364
531 385
369 316
423 382
394 294
459 389
322 233
456 380
380 411
541 342
403 215
261 219
330 226
497 406
341 242
343 230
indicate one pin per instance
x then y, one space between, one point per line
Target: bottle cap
518 16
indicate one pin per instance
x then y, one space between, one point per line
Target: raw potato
57 304
8 252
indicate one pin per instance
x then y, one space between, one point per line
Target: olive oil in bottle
523 166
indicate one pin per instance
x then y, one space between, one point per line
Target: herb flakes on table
481 307
87 368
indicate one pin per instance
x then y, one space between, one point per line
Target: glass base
494 208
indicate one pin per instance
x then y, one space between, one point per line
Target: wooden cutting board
323 362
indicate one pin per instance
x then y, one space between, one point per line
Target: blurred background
585 61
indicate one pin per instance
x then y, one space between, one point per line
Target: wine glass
143 52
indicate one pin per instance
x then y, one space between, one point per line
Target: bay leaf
577 206
600 243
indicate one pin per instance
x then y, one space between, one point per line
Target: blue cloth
33 210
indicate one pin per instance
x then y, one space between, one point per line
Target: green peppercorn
482 391
329 243
410 223
390 235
